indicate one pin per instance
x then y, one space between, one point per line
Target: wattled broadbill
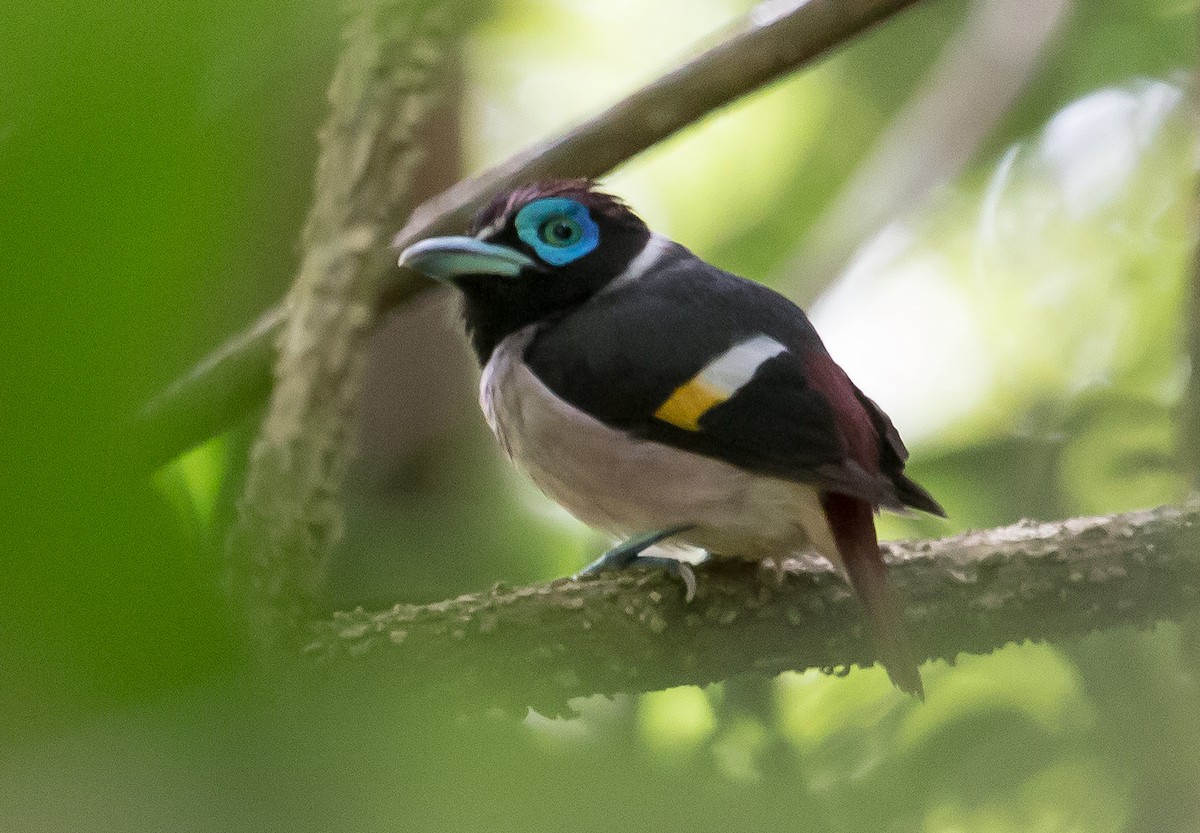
659 398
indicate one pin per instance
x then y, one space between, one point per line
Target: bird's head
535 252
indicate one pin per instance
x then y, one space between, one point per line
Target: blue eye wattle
559 229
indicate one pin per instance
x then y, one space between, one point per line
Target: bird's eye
560 232
559 229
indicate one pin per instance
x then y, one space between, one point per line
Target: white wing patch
735 367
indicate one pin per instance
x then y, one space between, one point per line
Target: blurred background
987 206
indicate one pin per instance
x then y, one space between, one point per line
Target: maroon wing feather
852 520
892 455
853 525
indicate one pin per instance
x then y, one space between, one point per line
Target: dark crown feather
585 191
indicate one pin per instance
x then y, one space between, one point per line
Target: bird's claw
687 575
629 554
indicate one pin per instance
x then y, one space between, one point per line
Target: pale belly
625 486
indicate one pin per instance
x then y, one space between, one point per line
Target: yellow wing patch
717 382
689 402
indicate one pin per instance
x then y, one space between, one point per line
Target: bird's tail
853 524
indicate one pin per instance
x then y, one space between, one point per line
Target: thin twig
775 38
969 90
1189 421
1189 416
539 646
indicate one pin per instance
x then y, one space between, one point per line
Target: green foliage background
155 166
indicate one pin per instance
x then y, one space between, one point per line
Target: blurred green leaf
1024 330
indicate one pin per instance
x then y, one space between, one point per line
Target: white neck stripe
654 249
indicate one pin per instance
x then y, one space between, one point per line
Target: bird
660 399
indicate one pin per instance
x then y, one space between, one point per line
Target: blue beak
447 258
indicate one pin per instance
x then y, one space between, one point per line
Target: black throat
492 312
495 307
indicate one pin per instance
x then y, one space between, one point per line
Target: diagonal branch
776 37
539 646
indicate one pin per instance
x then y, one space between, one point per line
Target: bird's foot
629 554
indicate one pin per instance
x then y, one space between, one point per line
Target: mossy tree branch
383 88
541 645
